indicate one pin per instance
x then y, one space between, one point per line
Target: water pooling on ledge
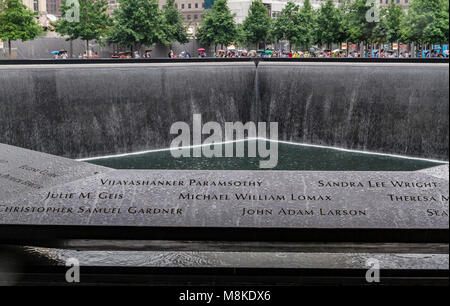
290 157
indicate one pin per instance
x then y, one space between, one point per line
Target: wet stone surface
39 189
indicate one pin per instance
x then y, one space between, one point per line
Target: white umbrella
52 18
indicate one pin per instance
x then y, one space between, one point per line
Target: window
36 5
196 5
182 6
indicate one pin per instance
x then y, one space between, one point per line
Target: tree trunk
71 49
9 49
87 48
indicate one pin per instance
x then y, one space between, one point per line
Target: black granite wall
391 108
92 110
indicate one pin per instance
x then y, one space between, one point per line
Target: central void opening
290 157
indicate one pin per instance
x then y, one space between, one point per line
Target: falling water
86 111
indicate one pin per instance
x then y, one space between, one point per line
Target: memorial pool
290 157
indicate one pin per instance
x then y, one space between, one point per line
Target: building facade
403 3
53 7
36 5
240 7
113 5
192 10
39 6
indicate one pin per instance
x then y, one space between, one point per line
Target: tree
174 27
329 27
257 25
307 24
218 26
139 22
241 38
394 16
286 26
360 29
344 9
17 22
426 22
380 32
93 21
388 28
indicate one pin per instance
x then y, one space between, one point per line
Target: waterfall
85 111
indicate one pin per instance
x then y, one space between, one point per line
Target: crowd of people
312 53
134 55
316 53
268 53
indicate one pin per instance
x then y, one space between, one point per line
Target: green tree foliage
380 32
307 25
359 29
393 16
139 22
258 23
17 22
218 27
93 21
241 39
330 26
174 27
286 26
427 22
344 11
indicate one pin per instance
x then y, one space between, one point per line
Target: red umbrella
201 50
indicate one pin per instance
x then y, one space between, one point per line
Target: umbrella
54 52
201 50
336 51
52 18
